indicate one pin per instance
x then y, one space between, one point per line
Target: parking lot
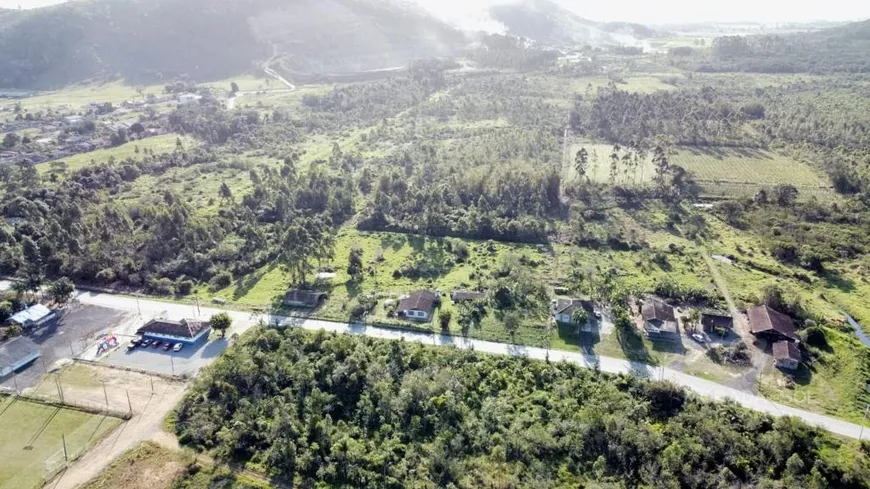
77 327
185 362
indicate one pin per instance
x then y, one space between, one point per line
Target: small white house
418 306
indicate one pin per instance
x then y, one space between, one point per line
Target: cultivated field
721 172
80 95
32 434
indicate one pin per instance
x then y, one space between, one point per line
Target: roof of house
712 320
763 319
16 350
466 295
420 300
567 306
186 328
308 297
657 309
786 350
33 313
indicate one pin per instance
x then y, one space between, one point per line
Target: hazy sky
643 11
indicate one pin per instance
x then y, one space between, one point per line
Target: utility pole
151 377
15 381
106 394
138 308
863 420
172 362
65 455
129 404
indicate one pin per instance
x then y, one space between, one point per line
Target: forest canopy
346 411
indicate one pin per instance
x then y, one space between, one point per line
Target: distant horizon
470 13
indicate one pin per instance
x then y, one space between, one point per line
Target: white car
177 348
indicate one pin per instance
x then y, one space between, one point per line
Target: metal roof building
15 354
35 315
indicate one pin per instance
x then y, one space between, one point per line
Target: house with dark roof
563 309
659 321
467 296
771 325
303 298
184 331
786 355
15 354
716 322
418 306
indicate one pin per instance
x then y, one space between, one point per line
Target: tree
234 88
137 128
693 319
581 163
221 322
785 195
119 137
614 164
355 264
61 290
511 321
661 164
579 317
444 317
11 140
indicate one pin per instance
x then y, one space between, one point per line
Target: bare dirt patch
148 466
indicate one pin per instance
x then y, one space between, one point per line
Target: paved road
242 321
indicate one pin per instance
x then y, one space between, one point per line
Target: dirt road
149 411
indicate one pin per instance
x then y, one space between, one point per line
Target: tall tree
221 322
581 164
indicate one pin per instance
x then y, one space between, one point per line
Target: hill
162 39
842 49
548 23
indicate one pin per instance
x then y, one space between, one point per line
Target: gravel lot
77 327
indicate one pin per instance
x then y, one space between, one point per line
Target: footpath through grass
33 436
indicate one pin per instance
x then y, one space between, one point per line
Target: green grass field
164 143
32 446
723 172
80 95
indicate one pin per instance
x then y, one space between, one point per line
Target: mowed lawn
32 434
720 171
164 143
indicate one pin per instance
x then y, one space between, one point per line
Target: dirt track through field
149 411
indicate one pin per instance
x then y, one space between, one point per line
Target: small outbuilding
188 331
786 355
771 324
716 322
303 298
15 354
34 316
659 321
418 306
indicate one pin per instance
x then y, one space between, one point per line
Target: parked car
178 347
167 346
131 347
156 344
699 338
145 342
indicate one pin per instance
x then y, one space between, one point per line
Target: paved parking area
77 327
186 362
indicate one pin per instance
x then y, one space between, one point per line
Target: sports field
722 172
32 444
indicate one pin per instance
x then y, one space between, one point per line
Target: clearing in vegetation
723 172
32 433
165 143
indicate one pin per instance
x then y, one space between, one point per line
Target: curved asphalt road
242 321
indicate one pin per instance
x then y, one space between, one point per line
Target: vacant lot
80 95
148 466
33 436
720 171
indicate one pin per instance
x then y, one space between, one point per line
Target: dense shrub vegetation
349 411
